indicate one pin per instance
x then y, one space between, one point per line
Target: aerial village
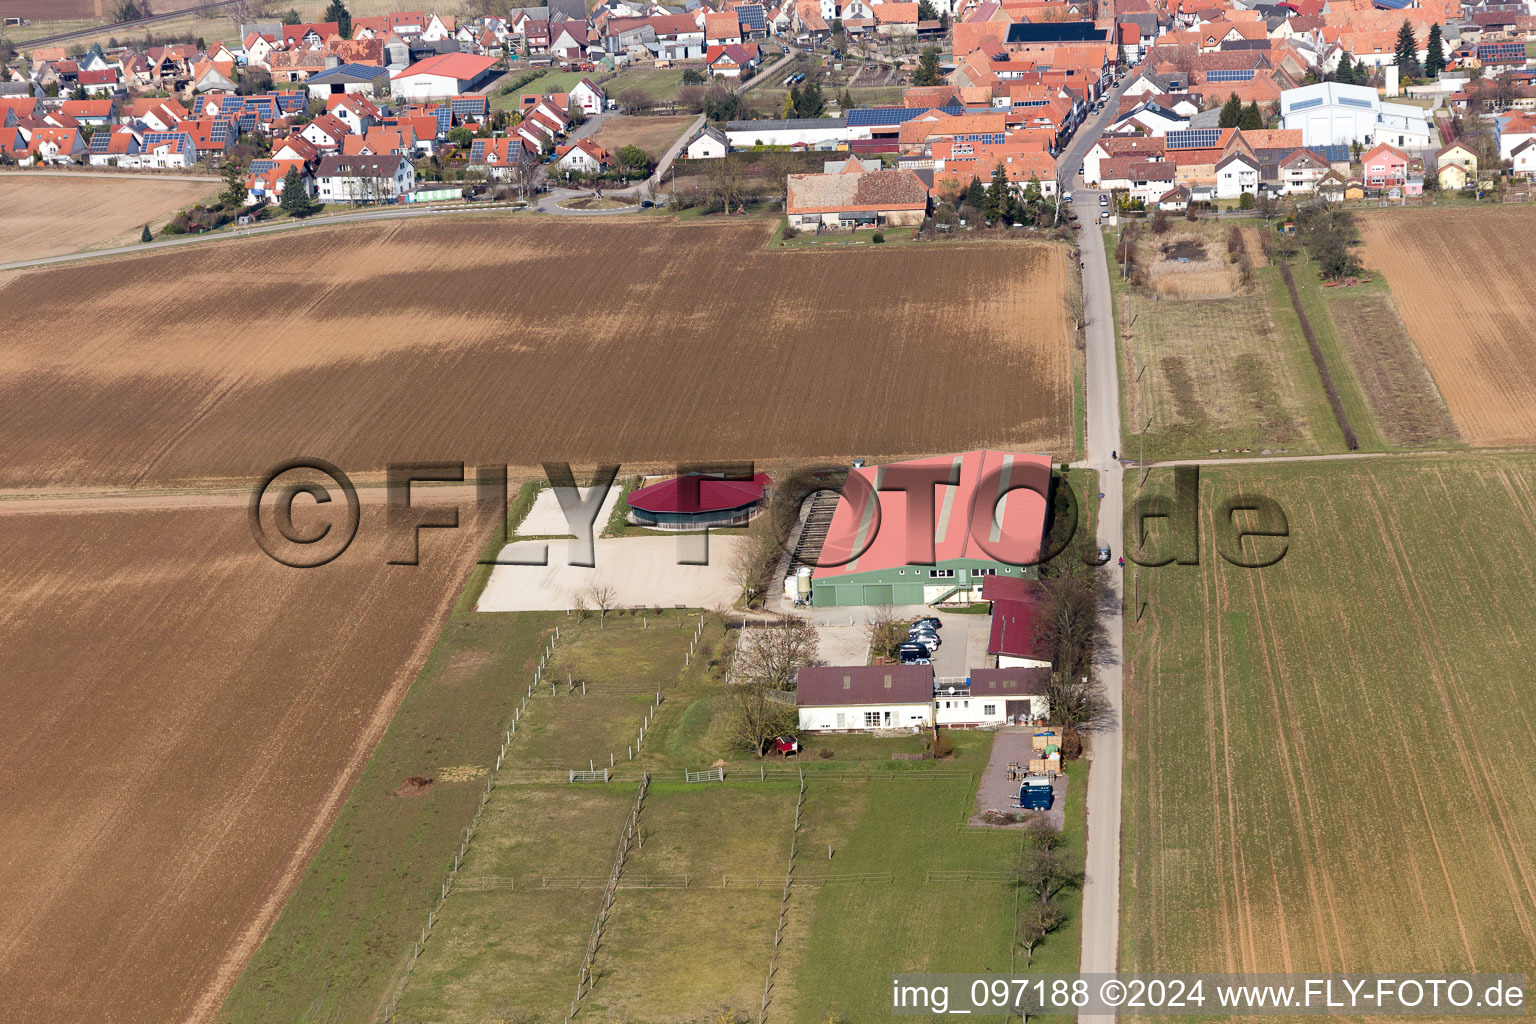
1209 103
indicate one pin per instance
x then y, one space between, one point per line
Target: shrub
939 746
790 231
825 753
879 237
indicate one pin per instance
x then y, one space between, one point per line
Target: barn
864 698
697 502
446 74
990 523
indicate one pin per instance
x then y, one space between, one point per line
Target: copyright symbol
1112 992
314 544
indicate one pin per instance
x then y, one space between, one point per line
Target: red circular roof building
696 501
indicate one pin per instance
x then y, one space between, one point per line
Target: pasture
691 930
190 722
52 215
1462 279
515 340
1328 763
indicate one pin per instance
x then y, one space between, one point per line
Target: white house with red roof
56 146
326 133
267 182
582 157
731 61
586 97
447 74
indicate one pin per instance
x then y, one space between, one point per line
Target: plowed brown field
522 341
1463 281
183 717
53 215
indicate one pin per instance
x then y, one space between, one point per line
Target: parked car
931 620
1103 215
1103 199
1067 197
928 640
914 654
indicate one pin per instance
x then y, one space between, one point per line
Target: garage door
878 593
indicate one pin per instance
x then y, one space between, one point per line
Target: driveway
997 792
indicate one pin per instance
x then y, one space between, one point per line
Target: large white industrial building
1331 114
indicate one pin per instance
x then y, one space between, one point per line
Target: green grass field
660 84
1329 760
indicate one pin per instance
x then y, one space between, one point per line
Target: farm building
806 131
1328 113
368 79
1012 643
991 697
996 511
854 196
860 698
447 74
696 502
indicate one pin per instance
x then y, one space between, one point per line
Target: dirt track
191 716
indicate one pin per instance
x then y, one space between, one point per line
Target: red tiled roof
461 66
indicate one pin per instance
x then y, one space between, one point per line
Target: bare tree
1047 867
885 633
771 656
751 569
525 170
1038 922
602 595
724 184
1069 625
756 714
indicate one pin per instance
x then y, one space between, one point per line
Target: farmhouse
368 79
996 509
864 698
697 502
855 196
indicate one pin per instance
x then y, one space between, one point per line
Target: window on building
871 718
989 709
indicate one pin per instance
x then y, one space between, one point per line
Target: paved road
1101 889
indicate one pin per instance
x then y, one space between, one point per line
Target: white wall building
808 131
364 179
865 698
1330 113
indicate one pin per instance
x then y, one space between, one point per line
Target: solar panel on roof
1355 101
1315 101
1230 75
1193 138
262 166
893 115
751 15
100 141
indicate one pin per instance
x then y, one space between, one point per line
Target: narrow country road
1101 886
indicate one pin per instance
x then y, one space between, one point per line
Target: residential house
498 158
992 697
325 133
1301 171
710 144
159 115
732 61
92 112
1383 166
582 157
116 148
174 150
56 146
1236 173
586 97
723 29
266 179
864 698
1523 160
568 41
364 179
100 82
355 111
1456 165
